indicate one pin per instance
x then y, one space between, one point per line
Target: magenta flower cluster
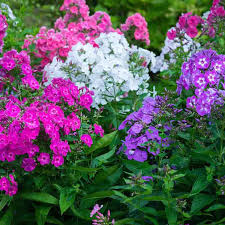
144 137
66 33
204 73
216 15
46 119
77 26
187 24
9 185
138 22
3 28
13 62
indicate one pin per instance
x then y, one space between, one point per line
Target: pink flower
220 11
211 32
171 34
86 138
8 63
99 130
86 101
182 22
74 10
192 32
32 150
31 82
12 110
57 160
44 158
193 21
95 210
26 69
10 156
4 184
28 164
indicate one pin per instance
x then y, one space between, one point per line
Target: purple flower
186 68
200 81
202 62
28 164
153 152
218 66
211 77
153 134
136 128
147 178
191 102
140 156
203 109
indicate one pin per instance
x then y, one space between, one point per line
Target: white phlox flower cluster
110 70
6 9
168 55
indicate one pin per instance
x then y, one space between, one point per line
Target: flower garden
97 127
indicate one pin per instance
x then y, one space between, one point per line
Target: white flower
186 45
8 10
110 70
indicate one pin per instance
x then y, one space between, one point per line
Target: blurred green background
160 14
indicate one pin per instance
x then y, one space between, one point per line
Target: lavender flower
204 72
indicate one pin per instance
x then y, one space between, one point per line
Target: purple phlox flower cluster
143 138
100 218
205 74
3 28
23 125
12 61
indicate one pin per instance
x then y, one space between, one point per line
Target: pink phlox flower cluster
9 185
188 24
12 61
48 118
3 28
138 22
100 218
67 33
98 130
217 14
205 74
65 90
77 7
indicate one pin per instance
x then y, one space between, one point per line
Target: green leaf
54 221
137 167
103 158
99 194
103 142
39 197
149 210
7 217
4 201
41 213
200 201
185 135
215 207
84 169
171 213
200 184
155 198
83 214
67 198
124 221
153 220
